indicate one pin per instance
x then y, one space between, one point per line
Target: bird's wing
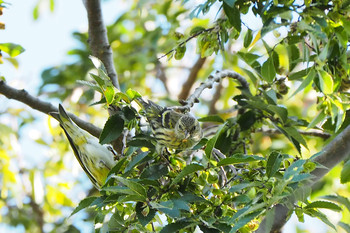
68 126
78 156
169 118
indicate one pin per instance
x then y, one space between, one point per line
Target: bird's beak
187 134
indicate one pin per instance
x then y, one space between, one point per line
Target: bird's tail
70 128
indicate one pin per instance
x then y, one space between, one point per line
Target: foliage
254 154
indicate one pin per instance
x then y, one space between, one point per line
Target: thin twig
218 153
98 40
187 40
221 169
44 107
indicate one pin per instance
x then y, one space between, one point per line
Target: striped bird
171 129
95 159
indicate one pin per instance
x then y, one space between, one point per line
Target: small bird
95 159
171 129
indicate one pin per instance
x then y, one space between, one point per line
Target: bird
95 159
171 129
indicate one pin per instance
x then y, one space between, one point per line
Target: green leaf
98 80
112 129
239 187
239 158
294 169
292 132
211 143
273 163
196 30
305 82
132 94
280 110
91 85
186 171
323 55
321 116
247 120
136 160
116 222
119 189
233 15
244 220
132 198
120 96
293 56
175 227
154 172
320 216
339 199
345 173
248 38
144 218
180 52
345 226
83 204
323 205
299 75
117 167
109 94
11 49
326 82
211 118
268 71
200 144
141 142
136 187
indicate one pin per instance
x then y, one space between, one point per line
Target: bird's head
188 128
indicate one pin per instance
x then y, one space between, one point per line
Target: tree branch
160 74
98 40
44 107
186 87
209 84
312 133
335 152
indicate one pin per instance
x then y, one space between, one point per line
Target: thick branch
186 87
42 106
335 152
98 39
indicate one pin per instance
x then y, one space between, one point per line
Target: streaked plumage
171 129
95 159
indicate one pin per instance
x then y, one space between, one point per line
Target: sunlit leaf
268 71
83 204
345 173
11 49
326 82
